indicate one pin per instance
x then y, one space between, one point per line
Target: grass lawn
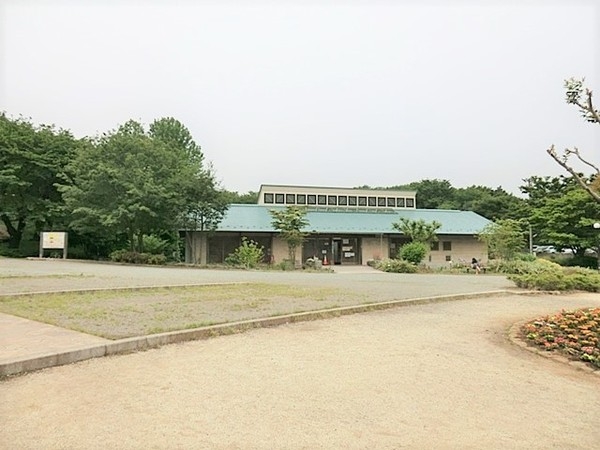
121 313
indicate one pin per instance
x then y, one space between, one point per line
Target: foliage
575 334
290 222
561 213
248 255
417 230
413 252
31 161
130 257
249 198
155 245
395 266
504 238
135 182
545 275
492 203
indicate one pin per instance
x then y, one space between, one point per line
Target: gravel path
441 375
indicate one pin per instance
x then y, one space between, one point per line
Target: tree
504 238
204 203
31 162
290 222
562 213
129 181
418 230
431 194
580 96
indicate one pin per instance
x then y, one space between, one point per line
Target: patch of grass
123 313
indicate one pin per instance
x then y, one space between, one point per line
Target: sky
336 93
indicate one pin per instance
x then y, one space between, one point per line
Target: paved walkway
23 340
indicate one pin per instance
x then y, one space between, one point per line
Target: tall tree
130 181
31 161
562 213
290 222
581 97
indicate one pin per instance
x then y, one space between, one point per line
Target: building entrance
333 250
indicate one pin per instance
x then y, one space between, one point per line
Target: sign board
54 240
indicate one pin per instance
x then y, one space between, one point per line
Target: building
346 227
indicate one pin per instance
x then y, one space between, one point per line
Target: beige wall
464 248
280 250
374 248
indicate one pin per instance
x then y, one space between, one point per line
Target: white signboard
53 239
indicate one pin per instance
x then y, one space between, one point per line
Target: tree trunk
15 234
140 243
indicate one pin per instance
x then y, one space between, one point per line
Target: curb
142 343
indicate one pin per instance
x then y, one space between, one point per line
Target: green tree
562 214
31 161
248 255
128 182
249 198
418 230
431 194
581 97
504 238
290 222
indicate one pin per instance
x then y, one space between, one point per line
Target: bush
396 266
155 245
248 255
413 252
559 279
137 258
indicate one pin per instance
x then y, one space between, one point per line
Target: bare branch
562 161
590 106
575 152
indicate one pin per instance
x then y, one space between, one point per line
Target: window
312 199
372 201
352 201
410 202
448 258
391 202
342 200
381 201
362 201
301 199
400 202
278 198
322 199
435 246
290 199
332 200
447 245
268 198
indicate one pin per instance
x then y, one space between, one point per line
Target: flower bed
573 333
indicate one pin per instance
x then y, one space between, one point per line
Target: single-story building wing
340 234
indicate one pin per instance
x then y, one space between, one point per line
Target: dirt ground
441 375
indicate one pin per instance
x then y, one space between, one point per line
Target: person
475 266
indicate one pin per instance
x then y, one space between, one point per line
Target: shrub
555 277
137 258
247 255
396 266
155 245
413 252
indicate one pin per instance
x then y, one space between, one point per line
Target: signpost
55 240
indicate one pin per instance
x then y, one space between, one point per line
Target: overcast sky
352 93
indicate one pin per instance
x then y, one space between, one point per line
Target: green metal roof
256 218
